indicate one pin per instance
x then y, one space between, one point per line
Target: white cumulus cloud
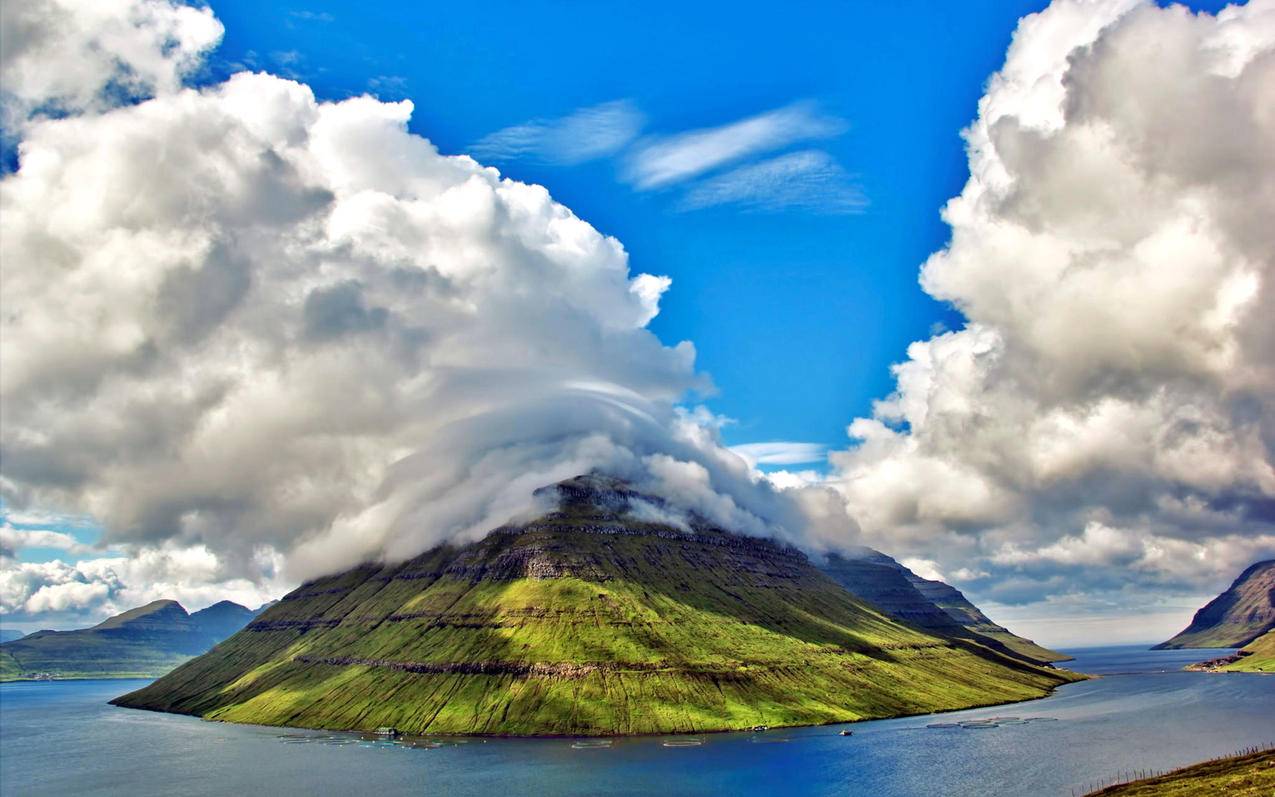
65 56
1105 420
271 328
84 592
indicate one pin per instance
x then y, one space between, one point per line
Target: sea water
61 737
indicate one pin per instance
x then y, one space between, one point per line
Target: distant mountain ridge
146 641
933 606
1241 614
588 620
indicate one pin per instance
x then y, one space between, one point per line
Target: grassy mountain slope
1256 656
1244 775
933 606
585 622
1241 614
143 642
10 670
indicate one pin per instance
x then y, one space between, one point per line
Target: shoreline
93 677
644 735
1249 771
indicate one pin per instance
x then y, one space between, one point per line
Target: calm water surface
61 738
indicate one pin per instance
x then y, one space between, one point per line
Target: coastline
111 676
1081 677
1247 772
891 758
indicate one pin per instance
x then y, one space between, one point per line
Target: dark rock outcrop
934 606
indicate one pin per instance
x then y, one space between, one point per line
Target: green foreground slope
1249 775
10 670
1256 656
585 622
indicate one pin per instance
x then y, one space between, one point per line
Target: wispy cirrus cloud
388 87
781 452
730 164
312 16
584 135
676 158
809 179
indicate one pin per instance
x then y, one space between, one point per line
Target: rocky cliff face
1241 614
934 606
585 621
887 587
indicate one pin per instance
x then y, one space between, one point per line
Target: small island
589 622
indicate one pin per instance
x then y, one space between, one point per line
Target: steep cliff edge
932 606
1241 614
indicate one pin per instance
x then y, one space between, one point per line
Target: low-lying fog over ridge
260 337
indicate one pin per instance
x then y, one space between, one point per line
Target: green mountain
586 621
932 606
1247 774
1256 656
1241 614
143 642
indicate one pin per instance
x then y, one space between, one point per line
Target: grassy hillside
144 642
1249 775
585 623
1241 614
10 670
1256 656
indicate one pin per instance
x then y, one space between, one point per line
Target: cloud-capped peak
269 336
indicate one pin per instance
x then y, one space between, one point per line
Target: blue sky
798 312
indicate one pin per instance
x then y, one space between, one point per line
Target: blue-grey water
61 737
